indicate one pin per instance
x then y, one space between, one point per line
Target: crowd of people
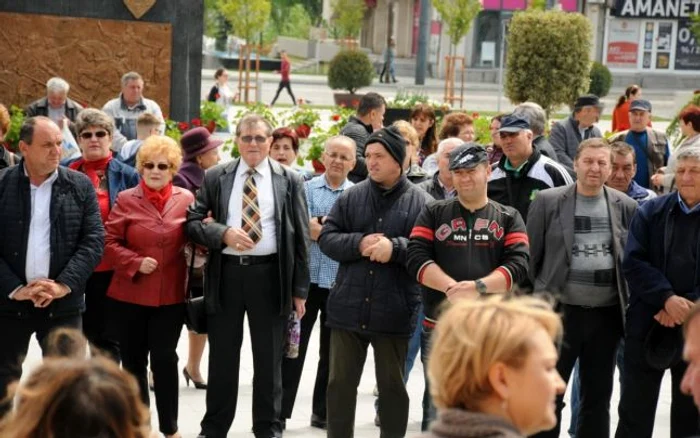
414 239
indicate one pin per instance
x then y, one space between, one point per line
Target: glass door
657 45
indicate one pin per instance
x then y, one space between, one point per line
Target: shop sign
623 44
687 48
656 8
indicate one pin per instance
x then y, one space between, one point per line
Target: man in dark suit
51 240
258 264
577 236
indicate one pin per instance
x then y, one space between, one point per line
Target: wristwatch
480 287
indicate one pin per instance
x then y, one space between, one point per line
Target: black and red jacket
467 245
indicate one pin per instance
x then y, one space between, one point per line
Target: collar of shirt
262 169
510 167
685 208
139 106
50 180
448 193
324 183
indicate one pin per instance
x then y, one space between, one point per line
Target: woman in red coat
145 241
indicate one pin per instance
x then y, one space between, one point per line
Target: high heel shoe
198 385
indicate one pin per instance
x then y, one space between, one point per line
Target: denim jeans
575 387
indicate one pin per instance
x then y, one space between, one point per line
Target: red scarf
157 197
90 168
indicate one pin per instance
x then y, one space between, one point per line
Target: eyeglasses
161 166
249 139
339 157
89 135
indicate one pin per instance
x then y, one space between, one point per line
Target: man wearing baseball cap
650 146
373 299
567 134
523 170
467 246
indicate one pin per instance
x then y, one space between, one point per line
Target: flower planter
347 100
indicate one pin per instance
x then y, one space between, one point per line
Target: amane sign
657 8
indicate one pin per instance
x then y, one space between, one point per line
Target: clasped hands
461 290
675 311
377 247
41 292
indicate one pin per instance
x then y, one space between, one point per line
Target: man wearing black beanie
373 300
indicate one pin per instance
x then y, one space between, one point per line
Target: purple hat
198 141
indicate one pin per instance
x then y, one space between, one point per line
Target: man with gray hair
537 117
567 134
439 186
56 105
127 108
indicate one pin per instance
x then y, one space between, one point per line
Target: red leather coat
135 230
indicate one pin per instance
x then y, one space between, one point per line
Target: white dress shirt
266 200
39 242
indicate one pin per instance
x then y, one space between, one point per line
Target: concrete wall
186 18
327 49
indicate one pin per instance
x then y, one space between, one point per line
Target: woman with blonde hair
76 397
145 242
414 172
493 368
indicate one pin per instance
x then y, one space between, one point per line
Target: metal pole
423 35
500 65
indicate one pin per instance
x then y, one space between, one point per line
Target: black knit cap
392 141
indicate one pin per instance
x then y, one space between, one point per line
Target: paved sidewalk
192 403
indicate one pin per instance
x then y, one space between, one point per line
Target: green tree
458 16
314 9
350 70
348 16
247 17
548 59
696 27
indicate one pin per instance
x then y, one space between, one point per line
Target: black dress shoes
318 422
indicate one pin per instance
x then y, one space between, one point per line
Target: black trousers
95 316
591 335
253 290
283 85
637 409
15 343
292 368
348 355
141 330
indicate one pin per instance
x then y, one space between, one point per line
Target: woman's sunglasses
160 166
89 135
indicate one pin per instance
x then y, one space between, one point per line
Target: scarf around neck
458 423
157 197
90 168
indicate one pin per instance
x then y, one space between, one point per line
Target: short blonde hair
408 132
472 335
159 145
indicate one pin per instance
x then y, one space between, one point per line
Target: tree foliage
548 58
458 16
601 80
247 17
350 70
348 16
696 26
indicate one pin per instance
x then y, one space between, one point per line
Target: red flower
183 126
335 117
355 103
475 115
303 131
342 104
196 122
211 125
217 96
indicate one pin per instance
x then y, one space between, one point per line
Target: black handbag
196 312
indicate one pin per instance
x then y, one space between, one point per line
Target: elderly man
466 247
624 168
537 117
321 193
56 105
50 244
647 142
439 186
373 300
369 118
662 268
567 134
126 109
523 170
258 265
577 237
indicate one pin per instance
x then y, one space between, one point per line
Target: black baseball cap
588 100
468 156
640 105
513 123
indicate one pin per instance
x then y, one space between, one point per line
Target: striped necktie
250 214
